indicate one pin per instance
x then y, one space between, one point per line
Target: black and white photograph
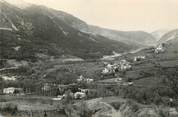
88 58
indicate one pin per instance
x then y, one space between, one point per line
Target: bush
9 108
116 105
3 100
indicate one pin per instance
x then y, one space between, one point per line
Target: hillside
133 38
155 77
159 33
58 65
37 30
169 36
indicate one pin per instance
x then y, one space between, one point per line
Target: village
49 96
81 87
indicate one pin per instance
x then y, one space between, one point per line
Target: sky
125 15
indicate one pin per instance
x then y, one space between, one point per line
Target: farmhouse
111 69
79 95
139 58
9 90
124 65
7 78
159 49
127 83
12 90
83 79
84 90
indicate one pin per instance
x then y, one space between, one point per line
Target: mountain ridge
39 28
171 35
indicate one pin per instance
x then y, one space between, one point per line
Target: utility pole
1 44
1 49
1 39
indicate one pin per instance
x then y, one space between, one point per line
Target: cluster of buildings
8 78
159 49
139 58
122 65
82 93
52 89
61 90
79 94
83 79
13 90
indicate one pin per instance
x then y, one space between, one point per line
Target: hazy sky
148 15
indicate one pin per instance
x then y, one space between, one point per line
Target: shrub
9 108
116 105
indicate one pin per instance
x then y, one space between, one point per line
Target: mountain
170 40
170 36
39 30
133 38
159 33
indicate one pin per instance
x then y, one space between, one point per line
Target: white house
79 95
6 78
173 112
159 49
105 71
9 90
138 58
58 98
89 80
109 66
83 79
127 83
80 79
83 90
124 65
12 90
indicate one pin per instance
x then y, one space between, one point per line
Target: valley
53 64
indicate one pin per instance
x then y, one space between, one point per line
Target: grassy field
20 106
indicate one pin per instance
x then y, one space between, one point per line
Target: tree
85 111
25 29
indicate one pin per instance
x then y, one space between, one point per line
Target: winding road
121 54
3 69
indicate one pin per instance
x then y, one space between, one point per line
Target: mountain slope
171 35
137 38
159 33
133 38
170 39
38 30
